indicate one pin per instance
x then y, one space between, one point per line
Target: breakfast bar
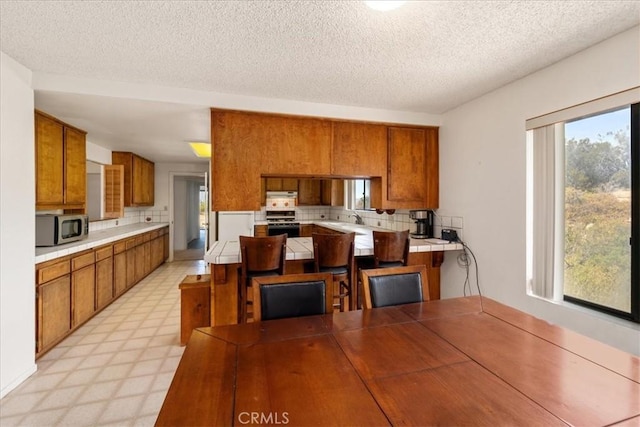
224 259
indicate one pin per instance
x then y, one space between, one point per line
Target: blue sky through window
598 125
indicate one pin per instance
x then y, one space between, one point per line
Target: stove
281 213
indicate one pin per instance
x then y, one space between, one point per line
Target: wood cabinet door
260 230
407 176
433 169
273 184
146 247
53 312
75 167
126 160
359 149
157 251
333 192
83 294
165 246
138 172
104 282
289 184
149 183
131 267
234 161
49 147
309 192
120 273
113 191
139 262
306 230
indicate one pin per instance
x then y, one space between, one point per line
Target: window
359 194
583 208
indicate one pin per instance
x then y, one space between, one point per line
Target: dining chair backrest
390 248
395 285
292 295
260 254
333 250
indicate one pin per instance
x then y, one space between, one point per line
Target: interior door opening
190 226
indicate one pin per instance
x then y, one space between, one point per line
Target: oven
291 229
281 214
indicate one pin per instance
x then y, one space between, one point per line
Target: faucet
358 218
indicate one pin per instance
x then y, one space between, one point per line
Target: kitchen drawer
50 271
82 260
140 239
154 234
131 243
104 252
119 247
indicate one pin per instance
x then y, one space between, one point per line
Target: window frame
545 255
352 196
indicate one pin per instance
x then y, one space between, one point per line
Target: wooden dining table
451 362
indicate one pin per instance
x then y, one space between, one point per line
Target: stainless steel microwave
52 229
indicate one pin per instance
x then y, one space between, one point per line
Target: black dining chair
395 285
292 295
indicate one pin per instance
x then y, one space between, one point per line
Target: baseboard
19 380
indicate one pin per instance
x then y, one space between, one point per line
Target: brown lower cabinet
83 288
72 289
104 277
119 268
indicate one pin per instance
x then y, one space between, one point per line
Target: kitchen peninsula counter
224 259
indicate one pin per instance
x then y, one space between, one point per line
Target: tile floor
116 368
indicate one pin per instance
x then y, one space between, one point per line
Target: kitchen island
224 259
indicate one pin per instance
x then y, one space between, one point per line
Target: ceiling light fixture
201 149
384 5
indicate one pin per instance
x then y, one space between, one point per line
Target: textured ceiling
427 56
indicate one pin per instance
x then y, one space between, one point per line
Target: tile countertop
228 251
95 239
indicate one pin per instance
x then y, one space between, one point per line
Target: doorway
190 230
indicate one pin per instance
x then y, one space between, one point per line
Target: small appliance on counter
424 223
58 229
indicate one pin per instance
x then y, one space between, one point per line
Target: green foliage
598 165
597 222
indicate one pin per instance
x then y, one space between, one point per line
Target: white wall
162 171
98 154
482 177
17 225
180 215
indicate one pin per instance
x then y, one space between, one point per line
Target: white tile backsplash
131 216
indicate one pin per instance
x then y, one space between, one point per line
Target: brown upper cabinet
359 149
402 161
139 176
113 191
61 174
281 184
248 145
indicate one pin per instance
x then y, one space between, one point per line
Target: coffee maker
424 223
